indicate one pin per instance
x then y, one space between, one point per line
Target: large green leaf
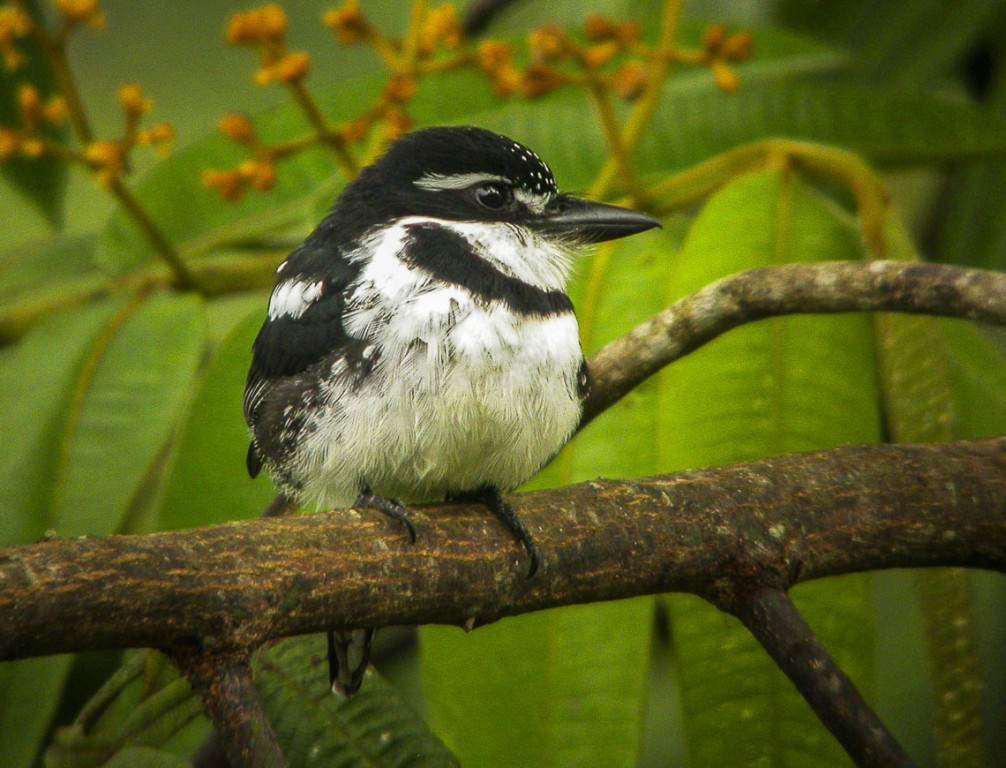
140 712
87 422
316 727
777 386
908 44
32 691
38 380
208 482
123 419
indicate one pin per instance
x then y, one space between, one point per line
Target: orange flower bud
133 101
355 131
599 27
347 22
494 54
600 54
713 38
724 75
259 25
29 103
32 147
106 158
55 112
628 32
292 67
259 174
538 80
159 136
400 89
9 143
630 79
14 23
441 25
238 128
547 43
228 184
398 122
82 12
737 47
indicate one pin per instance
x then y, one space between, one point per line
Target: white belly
461 396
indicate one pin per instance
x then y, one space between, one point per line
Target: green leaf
35 267
140 710
208 482
906 44
778 386
316 727
126 414
147 757
90 399
40 180
37 381
33 688
886 127
561 688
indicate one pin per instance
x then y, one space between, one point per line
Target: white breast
463 394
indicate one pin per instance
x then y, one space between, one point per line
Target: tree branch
774 522
787 289
771 617
224 682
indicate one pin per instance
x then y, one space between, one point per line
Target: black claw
393 508
492 498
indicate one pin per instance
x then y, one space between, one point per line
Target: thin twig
771 617
826 287
224 681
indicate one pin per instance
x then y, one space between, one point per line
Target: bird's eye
493 196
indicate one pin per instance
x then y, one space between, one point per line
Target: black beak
592 222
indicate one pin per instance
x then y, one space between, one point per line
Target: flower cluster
720 51
108 159
265 29
605 55
28 140
550 46
258 173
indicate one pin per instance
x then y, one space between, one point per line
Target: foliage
126 348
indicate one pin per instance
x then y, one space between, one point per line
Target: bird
419 345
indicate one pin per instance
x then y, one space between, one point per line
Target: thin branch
771 617
779 521
827 287
224 681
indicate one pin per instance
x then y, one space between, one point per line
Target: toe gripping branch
493 500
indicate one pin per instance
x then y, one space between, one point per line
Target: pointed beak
592 222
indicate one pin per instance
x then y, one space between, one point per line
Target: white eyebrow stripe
438 182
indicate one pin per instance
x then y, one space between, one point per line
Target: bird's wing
304 323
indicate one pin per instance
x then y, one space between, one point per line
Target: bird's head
466 174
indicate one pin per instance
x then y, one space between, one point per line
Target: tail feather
348 656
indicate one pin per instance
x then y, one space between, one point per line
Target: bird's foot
492 499
393 508
348 656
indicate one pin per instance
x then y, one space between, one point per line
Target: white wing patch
293 297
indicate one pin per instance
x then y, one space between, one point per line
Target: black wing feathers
286 346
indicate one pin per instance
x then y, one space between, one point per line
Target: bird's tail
348 656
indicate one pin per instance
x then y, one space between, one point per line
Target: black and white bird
420 345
